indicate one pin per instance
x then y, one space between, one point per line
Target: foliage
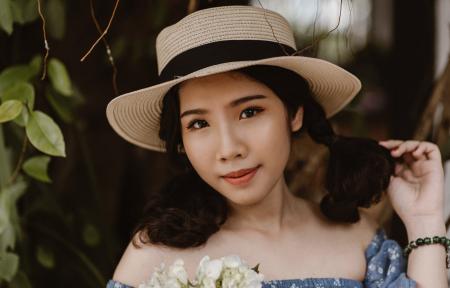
30 138
17 96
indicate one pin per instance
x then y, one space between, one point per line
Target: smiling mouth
244 178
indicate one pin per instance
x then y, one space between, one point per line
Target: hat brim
135 115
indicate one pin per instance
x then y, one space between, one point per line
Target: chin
244 197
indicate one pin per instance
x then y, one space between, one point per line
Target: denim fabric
386 268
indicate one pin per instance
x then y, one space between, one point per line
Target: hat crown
221 24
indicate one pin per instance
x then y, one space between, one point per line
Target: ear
297 121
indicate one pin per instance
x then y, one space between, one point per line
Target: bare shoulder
137 263
360 233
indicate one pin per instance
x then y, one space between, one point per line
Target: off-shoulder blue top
386 268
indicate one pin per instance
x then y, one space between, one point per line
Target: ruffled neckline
315 282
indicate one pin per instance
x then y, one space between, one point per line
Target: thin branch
348 35
323 36
439 90
315 22
104 32
273 33
47 48
19 162
108 49
86 261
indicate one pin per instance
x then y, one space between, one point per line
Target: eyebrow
233 103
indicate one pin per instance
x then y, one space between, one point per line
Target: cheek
200 153
270 138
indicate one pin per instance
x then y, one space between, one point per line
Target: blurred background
71 190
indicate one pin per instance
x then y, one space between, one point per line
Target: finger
419 154
407 146
392 143
432 151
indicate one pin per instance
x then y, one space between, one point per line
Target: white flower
253 279
177 271
173 277
232 261
208 272
226 272
237 274
158 278
206 283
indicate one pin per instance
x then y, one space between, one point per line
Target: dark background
100 188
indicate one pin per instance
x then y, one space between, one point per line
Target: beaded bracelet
426 241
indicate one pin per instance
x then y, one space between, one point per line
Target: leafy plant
17 96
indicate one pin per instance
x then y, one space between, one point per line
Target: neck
270 215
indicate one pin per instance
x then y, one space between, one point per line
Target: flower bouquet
226 272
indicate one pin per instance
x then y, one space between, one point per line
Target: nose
230 144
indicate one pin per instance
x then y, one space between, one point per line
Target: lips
241 177
239 173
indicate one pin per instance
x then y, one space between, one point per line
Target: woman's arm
416 192
427 263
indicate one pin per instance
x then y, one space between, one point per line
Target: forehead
220 87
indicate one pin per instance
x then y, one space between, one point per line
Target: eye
192 125
251 111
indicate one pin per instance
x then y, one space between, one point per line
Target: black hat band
221 52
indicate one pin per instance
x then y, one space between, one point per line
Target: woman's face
231 122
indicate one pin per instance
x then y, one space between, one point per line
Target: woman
232 97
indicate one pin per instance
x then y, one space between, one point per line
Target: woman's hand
416 191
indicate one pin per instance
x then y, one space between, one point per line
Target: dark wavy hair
187 210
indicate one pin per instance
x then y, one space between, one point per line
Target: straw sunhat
216 40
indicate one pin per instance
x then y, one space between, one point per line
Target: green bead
447 241
419 241
427 240
443 239
436 239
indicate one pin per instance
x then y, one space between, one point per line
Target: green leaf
59 77
14 74
36 64
9 263
91 236
61 105
45 256
24 11
37 167
9 110
45 134
16 12
9 224
5 161
256 268
6 18
56 17
22 120
20 281
21 91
